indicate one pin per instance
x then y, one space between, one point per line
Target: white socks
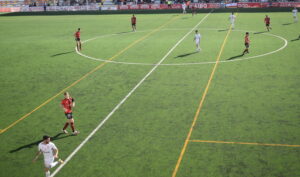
53 164
48 174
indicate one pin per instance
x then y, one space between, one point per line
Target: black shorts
247 45
69 115
77 39
133 24
267 24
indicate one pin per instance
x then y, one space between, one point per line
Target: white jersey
183 6
232 18
197 37
47 150
295 11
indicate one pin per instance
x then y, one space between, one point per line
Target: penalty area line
125 98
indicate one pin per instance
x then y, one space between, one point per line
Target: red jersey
133 20
247 41
267 20
67 104
77 34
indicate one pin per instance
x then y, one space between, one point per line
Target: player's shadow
222 30
260 32
124 32
54 138
63 53
234 57
287 24
185 55
297 39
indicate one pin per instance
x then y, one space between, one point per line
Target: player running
197 39
247 43
50 153
133 23
232 19
268 22
295 14
184 8
77 39
67 104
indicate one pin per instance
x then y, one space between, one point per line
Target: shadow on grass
124 32
222 30
260 32
54 138
185 55
234 57
287 23
297 39
63 53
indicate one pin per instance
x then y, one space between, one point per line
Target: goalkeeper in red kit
268 23
67 104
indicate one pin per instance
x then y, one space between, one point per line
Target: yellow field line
199 107
258 144
86 75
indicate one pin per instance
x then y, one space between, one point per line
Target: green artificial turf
249 100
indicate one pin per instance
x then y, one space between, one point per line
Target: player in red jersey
193 10
268 22
77 39
133 23
247 43
67 105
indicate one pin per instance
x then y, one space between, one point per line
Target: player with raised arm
50 152
67 104
133 23
247 43
268 23
232 19
197 39
77 39
295 14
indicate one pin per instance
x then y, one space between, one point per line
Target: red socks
66 125
72 126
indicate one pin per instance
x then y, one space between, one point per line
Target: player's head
78 29
46 139
247 34
67 95
266 15
196 31
132 15
232 13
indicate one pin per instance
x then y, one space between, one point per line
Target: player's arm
37 156
62 106
55 152
73 102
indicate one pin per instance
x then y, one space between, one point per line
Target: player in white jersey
50 153
232 19
295 14
197 39
184 8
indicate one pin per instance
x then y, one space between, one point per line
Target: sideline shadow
234 57
54 138
287 24
124 32
63 53
185 55
260 32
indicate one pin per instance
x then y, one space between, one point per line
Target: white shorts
232 22
48 162
197 42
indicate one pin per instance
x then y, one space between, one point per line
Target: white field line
185 64
123 100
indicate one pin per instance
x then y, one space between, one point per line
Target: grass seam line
244 143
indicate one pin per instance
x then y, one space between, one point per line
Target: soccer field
158 108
